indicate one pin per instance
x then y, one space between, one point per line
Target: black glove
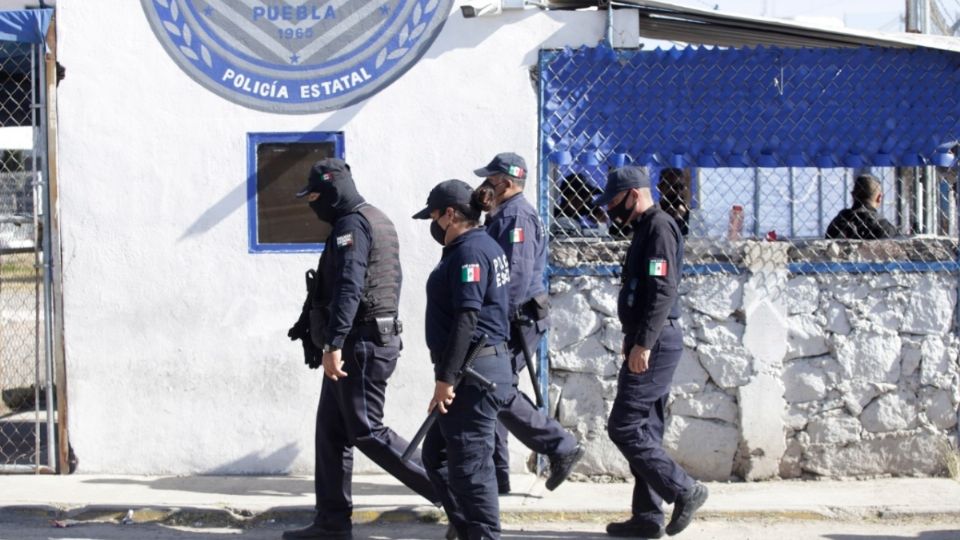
301 328
312 356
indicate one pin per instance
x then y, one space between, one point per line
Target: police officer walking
349 326
649 308
514 224
466 299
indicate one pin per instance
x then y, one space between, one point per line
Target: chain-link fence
25 408
757 154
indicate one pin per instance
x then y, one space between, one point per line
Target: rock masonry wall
782 376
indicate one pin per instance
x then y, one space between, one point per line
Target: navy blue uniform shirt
473 274
651 275
516 226
343 269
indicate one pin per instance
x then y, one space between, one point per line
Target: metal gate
27 408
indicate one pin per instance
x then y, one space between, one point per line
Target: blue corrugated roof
766 107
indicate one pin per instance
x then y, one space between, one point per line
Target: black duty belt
499 348
388 326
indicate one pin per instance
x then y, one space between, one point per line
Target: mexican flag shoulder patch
470 273
657 267
516 235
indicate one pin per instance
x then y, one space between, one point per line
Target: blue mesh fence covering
756 146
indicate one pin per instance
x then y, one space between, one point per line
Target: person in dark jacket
349 327
514 224
467 298
862 221
674 188
648 307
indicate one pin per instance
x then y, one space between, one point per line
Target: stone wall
782 376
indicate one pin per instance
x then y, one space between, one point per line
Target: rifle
301 328
466 371
528 357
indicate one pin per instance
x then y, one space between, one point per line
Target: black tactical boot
685 506
562 466
317 532
635 528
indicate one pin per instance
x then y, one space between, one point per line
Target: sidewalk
245 501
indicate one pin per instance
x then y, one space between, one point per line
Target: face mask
620 213
438 233
323 211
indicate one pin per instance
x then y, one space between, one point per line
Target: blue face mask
438 233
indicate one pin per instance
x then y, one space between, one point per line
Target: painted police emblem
296 57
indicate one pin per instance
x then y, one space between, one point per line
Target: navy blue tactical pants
520 416
350 414
636 426
458 452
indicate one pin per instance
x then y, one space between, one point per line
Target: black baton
528 357
466 371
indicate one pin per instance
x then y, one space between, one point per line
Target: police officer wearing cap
514 224
467 297
349 326
649 308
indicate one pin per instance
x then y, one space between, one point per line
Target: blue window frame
277 167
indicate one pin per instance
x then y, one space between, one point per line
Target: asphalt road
932 529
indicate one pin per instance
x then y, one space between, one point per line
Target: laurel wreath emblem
182 31
411 30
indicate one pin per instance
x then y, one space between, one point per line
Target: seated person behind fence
674 196
575 212
862 221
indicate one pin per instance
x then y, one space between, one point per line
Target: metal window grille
765 145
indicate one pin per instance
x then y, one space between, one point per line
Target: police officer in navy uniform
349 326
514 224
649 308
467 297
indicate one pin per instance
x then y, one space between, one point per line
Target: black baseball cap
506 163
623 179
325 170
455 193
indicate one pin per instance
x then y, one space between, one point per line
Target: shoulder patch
657 267
345 240
470 273
516 235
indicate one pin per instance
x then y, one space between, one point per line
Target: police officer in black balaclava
349 326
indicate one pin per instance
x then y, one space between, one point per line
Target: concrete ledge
202 517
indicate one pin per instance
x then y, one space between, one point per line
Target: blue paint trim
253 141
543 204
613 270
793 268
872 267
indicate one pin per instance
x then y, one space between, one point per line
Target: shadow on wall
237 197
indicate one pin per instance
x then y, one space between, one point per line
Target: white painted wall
177 356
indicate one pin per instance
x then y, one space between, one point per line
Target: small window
278 165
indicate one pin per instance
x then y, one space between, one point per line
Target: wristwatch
330 348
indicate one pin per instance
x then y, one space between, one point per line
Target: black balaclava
331 178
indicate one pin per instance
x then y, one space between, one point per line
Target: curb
200 517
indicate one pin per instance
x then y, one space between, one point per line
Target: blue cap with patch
506 163
622 179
